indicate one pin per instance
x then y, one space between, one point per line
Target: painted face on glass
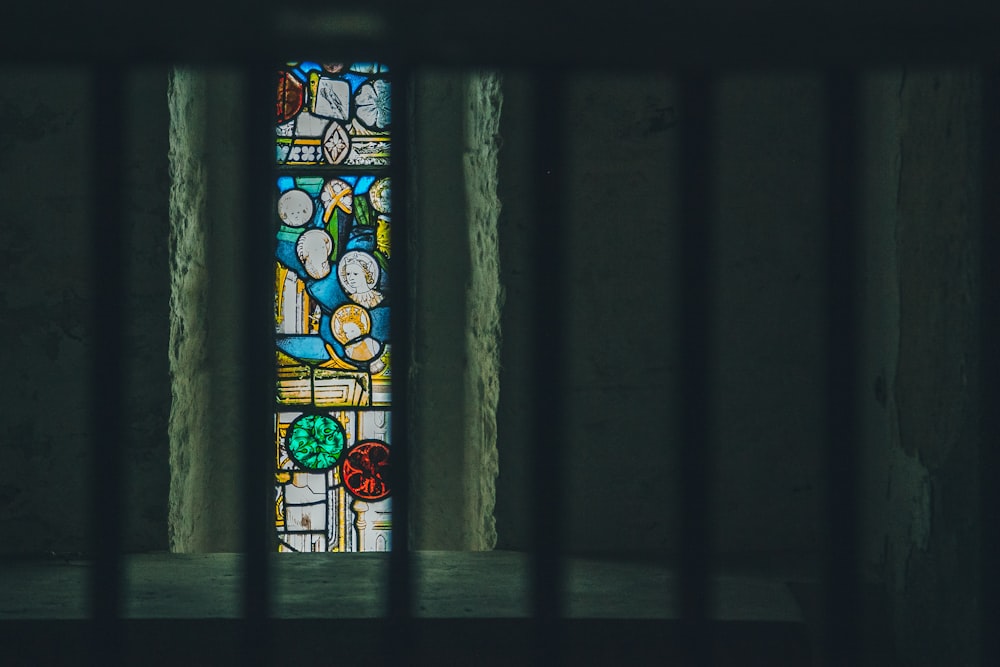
354 277
313 250
359 275
351 330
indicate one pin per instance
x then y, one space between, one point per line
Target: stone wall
621 384
457 311
206 216
46 296
457 301
484 303
922 410
920 289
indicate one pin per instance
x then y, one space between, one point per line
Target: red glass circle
365 470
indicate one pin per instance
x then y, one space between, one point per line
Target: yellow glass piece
383 230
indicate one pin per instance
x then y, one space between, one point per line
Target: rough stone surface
457 303
205 212
190 413
484 301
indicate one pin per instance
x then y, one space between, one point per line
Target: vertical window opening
332 335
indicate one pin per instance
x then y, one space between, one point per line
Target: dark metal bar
843 600
400 644
257 401
549 369
696 305
989 374
108 362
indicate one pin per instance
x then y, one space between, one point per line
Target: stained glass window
331 283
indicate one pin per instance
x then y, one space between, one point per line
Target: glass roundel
316 441
366 470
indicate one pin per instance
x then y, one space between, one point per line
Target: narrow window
331 288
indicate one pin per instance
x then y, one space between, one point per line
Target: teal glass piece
316 441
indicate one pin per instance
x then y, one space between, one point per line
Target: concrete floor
471 608
448 584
